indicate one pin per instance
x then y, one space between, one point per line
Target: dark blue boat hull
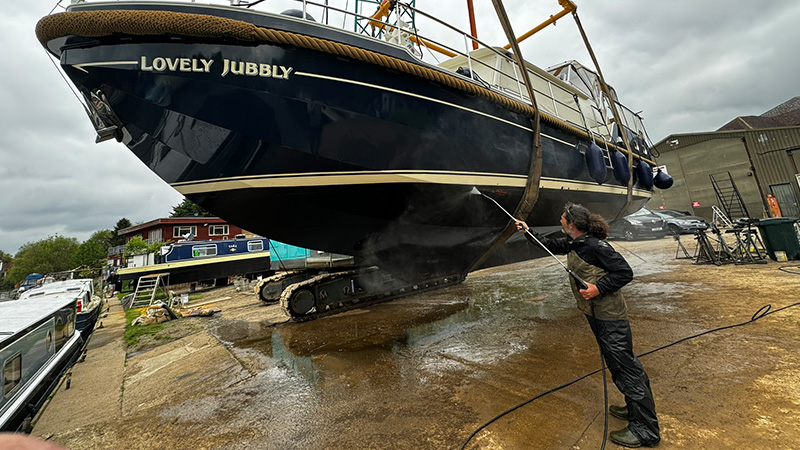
335 154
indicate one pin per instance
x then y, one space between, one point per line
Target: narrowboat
38 343
87 305
190 261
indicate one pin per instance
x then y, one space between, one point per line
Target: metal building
760 162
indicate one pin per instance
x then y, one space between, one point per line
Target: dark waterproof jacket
596 262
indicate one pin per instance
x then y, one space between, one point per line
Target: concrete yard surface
424 372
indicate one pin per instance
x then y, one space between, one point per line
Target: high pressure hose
605 384
762 312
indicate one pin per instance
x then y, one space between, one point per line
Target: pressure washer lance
581 284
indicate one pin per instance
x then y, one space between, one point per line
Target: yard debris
154 314
200 312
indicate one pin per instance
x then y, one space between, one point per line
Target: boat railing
553 96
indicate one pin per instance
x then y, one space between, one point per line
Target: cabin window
217 230
204 250
12 374
178 232
255 246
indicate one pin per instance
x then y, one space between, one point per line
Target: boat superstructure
352 142
38 342
81 290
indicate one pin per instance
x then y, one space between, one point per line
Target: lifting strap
613 105
531 194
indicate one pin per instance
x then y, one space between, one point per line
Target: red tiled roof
171 221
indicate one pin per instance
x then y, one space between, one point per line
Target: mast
472 28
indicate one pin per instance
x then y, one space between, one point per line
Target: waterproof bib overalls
596 262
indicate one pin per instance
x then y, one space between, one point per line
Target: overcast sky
690 66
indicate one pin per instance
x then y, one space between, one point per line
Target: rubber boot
620 412
625 438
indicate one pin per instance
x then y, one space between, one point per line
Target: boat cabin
37 343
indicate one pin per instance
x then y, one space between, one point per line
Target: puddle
483 321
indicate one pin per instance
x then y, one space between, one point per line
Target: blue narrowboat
190 261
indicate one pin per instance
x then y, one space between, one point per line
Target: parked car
640 224
679 222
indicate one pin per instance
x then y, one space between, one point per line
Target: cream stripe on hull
391 177
194 262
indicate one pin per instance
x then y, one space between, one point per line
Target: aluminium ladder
146 289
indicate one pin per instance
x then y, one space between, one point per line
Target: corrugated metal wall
768 148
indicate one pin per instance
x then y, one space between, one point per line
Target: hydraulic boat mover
350 139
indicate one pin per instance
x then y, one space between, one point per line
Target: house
174 229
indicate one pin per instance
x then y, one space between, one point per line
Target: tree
54 254
121 224
138 246
188 208
94 250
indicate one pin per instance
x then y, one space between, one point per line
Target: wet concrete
425 371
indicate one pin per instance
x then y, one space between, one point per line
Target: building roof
790 105
171 221
768 139
787 114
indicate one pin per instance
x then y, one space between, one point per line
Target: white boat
87 304
38 343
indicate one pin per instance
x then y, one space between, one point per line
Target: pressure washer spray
581 284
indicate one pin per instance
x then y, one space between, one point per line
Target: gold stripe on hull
391 177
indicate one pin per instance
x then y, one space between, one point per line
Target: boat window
217 230
204 250
12 373
255 246
49 342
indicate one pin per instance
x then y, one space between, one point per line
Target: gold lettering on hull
201 65
161 64
252 69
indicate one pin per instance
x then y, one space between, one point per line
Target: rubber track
359 302
278 277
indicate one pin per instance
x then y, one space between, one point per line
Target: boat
31 281
38 343
350 141
193 261
87 305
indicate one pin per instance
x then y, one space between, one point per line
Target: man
605 271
